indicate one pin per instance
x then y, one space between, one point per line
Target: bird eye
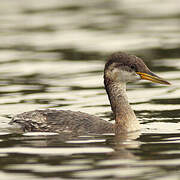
133 67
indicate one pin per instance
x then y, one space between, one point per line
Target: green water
52 55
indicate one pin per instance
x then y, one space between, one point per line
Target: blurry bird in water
120 69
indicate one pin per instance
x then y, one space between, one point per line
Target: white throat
124 76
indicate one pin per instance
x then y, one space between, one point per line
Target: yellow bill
152 77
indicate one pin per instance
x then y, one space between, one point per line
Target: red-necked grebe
120 69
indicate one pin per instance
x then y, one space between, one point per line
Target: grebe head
123 68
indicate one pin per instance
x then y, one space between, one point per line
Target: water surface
52 55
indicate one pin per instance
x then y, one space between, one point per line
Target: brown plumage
119 69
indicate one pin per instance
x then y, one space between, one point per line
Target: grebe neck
125 118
